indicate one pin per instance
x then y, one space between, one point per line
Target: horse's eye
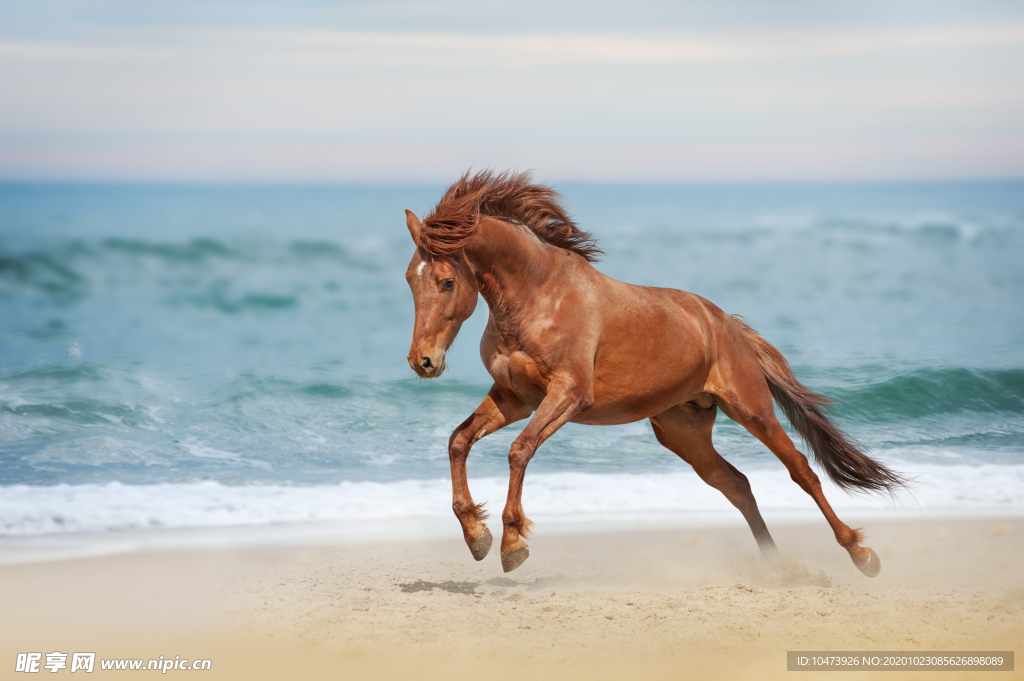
448 283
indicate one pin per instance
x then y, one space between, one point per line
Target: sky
733 90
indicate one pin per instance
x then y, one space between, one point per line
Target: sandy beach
687 602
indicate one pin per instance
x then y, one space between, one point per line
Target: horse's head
444 293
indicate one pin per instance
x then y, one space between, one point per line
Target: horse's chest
518 373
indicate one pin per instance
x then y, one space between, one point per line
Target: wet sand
688 602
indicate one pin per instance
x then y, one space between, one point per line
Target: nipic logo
31 663
55 661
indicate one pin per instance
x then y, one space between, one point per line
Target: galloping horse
566 343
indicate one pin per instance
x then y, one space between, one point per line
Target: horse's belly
614 409
617 399
645 381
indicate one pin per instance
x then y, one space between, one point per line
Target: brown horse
567 343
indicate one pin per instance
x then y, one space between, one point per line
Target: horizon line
214 182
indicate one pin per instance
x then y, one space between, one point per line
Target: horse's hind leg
496 411
750 405
686 430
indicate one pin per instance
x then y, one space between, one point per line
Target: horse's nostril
426 364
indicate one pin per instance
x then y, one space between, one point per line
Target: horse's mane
508 195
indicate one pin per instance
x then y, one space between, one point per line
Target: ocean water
242 351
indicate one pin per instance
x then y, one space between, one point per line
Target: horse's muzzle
425 366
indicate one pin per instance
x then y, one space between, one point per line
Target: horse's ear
413 223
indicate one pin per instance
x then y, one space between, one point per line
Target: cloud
480 50
243 101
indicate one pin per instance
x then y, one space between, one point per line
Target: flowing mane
512 196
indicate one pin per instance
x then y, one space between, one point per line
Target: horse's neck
511 265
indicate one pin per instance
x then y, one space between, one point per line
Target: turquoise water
256 335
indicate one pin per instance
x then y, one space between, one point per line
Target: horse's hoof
873 565
482 545
510 561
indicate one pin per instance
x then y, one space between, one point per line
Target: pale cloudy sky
396 91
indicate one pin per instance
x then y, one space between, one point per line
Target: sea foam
29 510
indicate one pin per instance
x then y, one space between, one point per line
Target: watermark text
34 663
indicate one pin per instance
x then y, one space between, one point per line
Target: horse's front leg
496 411
564 400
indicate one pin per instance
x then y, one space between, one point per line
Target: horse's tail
835 451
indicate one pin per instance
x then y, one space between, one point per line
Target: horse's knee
458 445
520 454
